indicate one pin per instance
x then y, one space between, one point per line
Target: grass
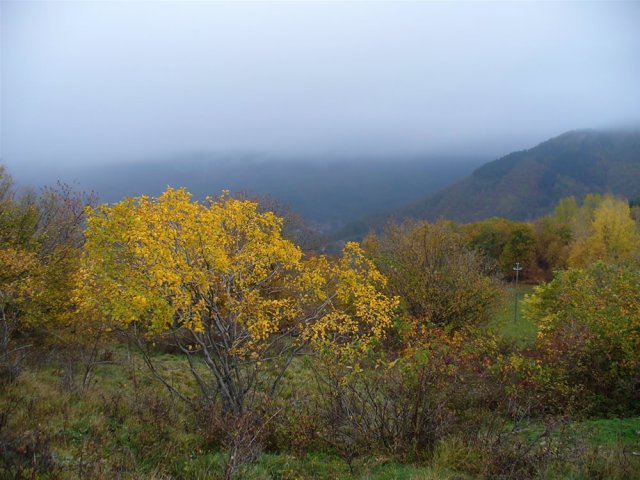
518 331
127 426
611 431
321 466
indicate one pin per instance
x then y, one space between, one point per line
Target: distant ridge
328 192
525 185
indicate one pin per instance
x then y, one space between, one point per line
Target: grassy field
126 425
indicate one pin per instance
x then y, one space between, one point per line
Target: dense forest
173 337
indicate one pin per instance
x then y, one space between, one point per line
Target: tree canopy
221 280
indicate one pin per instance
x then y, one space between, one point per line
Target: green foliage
505 242
589 331
441 280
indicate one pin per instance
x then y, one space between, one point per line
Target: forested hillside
525 185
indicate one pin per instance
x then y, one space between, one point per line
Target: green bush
587 353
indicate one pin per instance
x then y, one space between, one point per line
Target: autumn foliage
220 282
232 338
40 241
440 279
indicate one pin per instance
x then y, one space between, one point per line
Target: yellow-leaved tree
611 237
18 286
219 282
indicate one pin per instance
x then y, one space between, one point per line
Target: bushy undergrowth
126 425
436 404
586 357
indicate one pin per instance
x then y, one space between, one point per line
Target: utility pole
517 269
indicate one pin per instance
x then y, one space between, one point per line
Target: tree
554 235
520 247
40 237
18 285
18 215
488 237
218 281
634 206
504 241
441 280
612 236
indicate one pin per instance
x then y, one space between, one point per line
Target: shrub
587 353
404 402
439 279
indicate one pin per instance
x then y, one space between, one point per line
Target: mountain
329 193
527 184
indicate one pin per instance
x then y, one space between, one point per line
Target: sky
104 81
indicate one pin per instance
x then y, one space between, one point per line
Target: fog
91 82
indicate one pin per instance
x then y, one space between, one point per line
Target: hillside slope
524 185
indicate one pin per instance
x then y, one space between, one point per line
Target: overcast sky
106 81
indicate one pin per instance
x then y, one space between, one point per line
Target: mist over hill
328 193
352 196
527 184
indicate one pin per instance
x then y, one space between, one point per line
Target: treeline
382 349
601 228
